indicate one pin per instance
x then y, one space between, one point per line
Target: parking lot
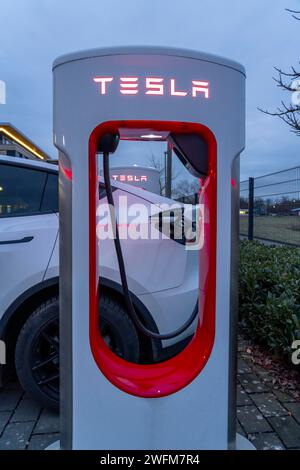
23 422
268 417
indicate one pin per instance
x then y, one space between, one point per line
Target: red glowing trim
233 183
173 89
103 81
170 376
200 87
66 171
154 86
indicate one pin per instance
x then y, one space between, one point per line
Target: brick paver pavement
269 418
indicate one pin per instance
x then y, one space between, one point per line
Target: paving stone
262 373
263 413
242 398
9 399
240 430
252 420
266 441
294 408
48 423
27 410
16 436
287 429
243 367
268 404
283 397
4 418
41 441
252 384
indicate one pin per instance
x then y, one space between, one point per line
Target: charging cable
127 296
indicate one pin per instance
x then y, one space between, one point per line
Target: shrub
269 295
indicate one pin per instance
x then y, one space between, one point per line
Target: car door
28 227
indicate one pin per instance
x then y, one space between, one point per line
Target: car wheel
37 348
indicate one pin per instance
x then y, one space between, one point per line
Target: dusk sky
258 34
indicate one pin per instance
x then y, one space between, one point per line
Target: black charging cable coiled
127 296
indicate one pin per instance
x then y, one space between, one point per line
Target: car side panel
26 244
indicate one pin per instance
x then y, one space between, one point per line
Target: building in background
15 144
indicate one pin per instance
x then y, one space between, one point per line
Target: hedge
269 295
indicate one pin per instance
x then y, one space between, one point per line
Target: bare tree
185 188
158 164
288 113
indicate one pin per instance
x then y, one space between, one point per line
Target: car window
50 198
21 190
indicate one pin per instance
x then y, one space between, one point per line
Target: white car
162 277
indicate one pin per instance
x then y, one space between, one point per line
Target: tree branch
294 13
289 114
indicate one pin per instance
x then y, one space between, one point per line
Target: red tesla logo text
153 86
129 178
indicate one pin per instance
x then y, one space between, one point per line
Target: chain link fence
270 207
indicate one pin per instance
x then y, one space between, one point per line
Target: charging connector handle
127 296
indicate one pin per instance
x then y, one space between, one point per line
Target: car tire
37 348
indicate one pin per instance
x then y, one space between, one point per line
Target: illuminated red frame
170 376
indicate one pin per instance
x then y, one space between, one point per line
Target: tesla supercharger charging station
188 401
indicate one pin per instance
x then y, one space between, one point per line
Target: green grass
284 229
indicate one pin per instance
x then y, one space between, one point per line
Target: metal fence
270 207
